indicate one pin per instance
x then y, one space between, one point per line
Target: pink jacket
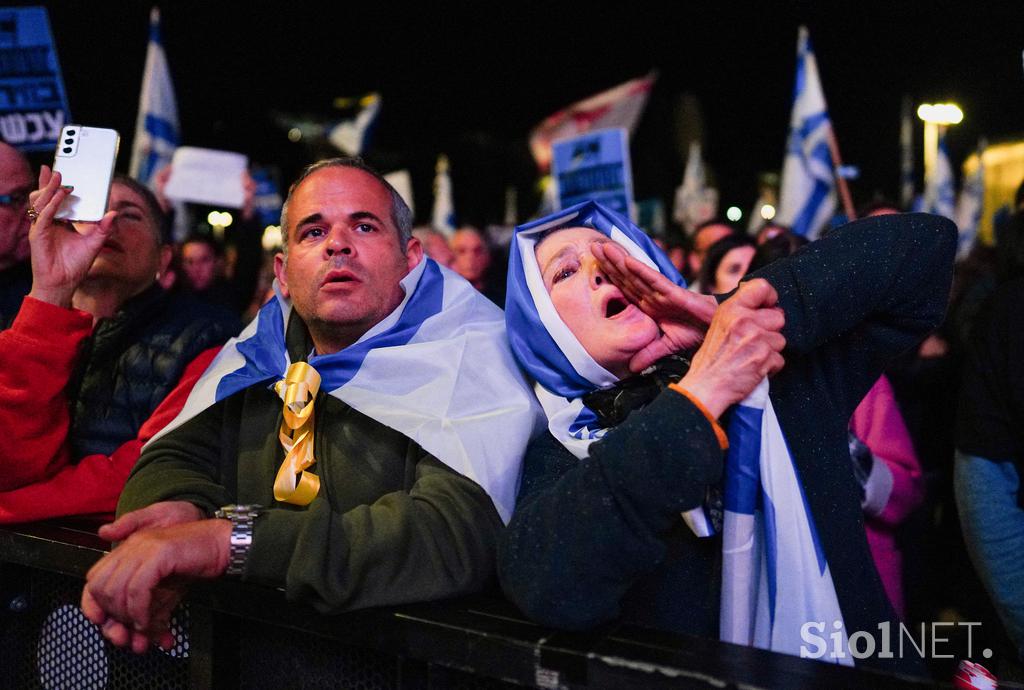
895 487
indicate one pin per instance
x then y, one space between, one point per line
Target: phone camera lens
69 141
67 149
71 132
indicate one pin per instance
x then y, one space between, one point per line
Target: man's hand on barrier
132 591
743 345
162 514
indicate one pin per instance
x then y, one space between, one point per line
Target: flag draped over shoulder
807 198
549 351
620 106
156 128
775 578
438 369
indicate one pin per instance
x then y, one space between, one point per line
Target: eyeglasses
15 199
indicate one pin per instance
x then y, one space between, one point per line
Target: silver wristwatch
242 518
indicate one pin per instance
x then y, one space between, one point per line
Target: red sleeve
37 358
93 485
878 423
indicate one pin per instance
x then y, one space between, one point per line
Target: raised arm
863 294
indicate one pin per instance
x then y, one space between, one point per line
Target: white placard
207 176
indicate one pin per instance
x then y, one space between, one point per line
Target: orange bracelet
723 439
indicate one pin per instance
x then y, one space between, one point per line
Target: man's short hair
161 223
401 214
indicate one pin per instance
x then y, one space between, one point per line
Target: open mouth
338 278
615 306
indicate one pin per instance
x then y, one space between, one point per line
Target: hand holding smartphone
85 158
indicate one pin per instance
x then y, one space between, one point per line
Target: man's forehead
340 184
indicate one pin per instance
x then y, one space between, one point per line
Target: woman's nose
597 276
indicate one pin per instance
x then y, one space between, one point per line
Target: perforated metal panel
47 642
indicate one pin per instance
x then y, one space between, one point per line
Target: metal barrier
234 635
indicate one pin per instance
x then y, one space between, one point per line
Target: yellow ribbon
298 390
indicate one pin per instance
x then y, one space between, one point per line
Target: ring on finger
32 213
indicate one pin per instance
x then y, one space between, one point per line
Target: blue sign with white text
594 166
33 103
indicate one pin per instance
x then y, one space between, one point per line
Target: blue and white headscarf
437 369
543 344
775 576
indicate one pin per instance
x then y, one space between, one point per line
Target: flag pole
837 163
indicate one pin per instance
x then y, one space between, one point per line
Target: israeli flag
442 217
438 369
351 136
938 189
969 207
156 129
775 578
807 198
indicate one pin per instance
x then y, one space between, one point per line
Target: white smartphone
85 158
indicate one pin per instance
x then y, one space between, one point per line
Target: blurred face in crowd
15 184
437 249
608 326
704 238
472 256
199 263
344 259
732 267
133 254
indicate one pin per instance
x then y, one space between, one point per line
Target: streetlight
934 116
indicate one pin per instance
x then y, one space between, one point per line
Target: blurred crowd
97 363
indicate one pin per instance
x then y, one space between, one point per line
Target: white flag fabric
620 106
775 578
695 202
438 369
938 197
156 127
351 136
969 207
807 198
442 217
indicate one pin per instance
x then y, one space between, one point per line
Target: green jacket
390 524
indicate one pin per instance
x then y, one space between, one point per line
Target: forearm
435 541
89 487
585 531
37 358
894 271
93 484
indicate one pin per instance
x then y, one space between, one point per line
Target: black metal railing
234 635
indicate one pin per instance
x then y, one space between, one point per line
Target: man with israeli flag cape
364 434
597 533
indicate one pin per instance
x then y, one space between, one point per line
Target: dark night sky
471 79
